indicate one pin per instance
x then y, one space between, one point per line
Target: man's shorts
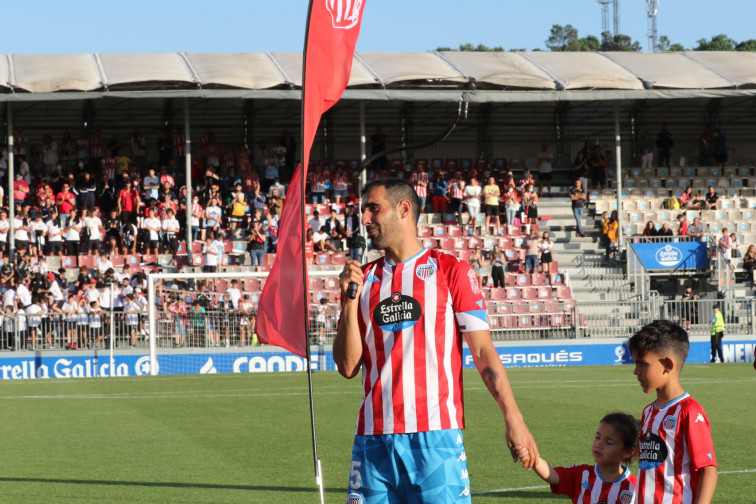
425 467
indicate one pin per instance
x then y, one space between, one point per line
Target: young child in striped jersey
607 481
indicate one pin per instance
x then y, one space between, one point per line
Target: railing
638 275
535 320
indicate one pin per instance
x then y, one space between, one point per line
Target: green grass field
246 438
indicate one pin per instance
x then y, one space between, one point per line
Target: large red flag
332 31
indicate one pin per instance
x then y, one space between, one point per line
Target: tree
664 45
587 44
562 38
468 47
719 42
619 42
747 45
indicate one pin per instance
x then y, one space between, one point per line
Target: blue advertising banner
17 366
675 255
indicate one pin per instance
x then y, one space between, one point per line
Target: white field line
544 487
326 390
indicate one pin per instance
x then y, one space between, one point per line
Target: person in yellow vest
717 333
611 231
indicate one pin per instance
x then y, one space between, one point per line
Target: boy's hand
523 455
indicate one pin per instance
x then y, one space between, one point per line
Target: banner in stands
535 354
677 255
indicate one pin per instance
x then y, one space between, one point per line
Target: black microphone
357 243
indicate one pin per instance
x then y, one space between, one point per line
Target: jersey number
355 480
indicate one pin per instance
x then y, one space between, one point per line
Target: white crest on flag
345 14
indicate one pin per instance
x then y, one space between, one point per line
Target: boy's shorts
425 467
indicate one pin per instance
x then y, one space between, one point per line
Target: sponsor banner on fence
88 365
677 255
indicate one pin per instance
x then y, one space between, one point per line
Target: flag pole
306 293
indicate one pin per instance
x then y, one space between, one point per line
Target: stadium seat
439 231
322 258
446 243
181 260
481 165
529 293
513 293
505 242
498 294
251 285
87 260
545 292
454 231
504 308
465 164
424 231
564 292
68 262
520 308
510 280
338 258
557 279
436 164
475 241
511 254
147 258
196 247
460 243
421 162
523 280
314 283
538 279
198 260
464 255
452 164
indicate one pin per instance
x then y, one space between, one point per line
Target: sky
226 26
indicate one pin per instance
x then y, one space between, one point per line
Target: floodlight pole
11 177
618 164
188 172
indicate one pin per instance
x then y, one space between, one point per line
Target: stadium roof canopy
420 76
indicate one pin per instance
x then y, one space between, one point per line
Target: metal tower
653 32
605 4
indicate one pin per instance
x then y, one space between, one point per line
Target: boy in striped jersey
677 464
404 331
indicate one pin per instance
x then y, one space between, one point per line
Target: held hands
521 444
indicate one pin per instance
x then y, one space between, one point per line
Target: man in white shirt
21 230
54 290
95 231
171 229
153 225
9 298
4 230
279 186
316 222
23 295
213 251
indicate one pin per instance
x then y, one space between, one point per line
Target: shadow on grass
166 484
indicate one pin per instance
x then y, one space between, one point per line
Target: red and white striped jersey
138 145
675 443
422 191
456 188
411 317
341 182
95 147
585 485
108 165
317 184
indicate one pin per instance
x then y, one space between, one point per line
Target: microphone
357 243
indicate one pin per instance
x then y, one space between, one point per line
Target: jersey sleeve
698 437
569 481
467 298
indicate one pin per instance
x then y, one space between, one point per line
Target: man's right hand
352 272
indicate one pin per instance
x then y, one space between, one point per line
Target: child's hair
629 430
661 337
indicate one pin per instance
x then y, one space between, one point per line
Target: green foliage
562 38
228 439
468 47
719 42
664 45
619 42
747 45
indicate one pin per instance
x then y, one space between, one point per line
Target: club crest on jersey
670 422
425 271
354 498
345 14
626 497
397 312
653 451
473 282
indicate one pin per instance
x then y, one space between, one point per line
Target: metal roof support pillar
618 164
11 179
362 175
188 171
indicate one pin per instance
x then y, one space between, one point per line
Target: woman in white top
73 234
546 246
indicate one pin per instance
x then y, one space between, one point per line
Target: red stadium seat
465 164
179 261
564 292
505 242
524 321
421 162
446 243
397 164
500 164
520 308
87 260
557 279
331 283
452 164
510 280
437 164
147 258
439 231
481 165
454 231
251 285
523 280
498 294
268 260
513 293
424 231
68 262
460 243
314 283
464 255
557 320
220 285
338 258
538 279
322 258
511 254
494 323
117 260
504 308
196 247
475 241
181 247
429 243
198 260
544 292
530 293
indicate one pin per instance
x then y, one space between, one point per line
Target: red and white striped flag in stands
332 31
